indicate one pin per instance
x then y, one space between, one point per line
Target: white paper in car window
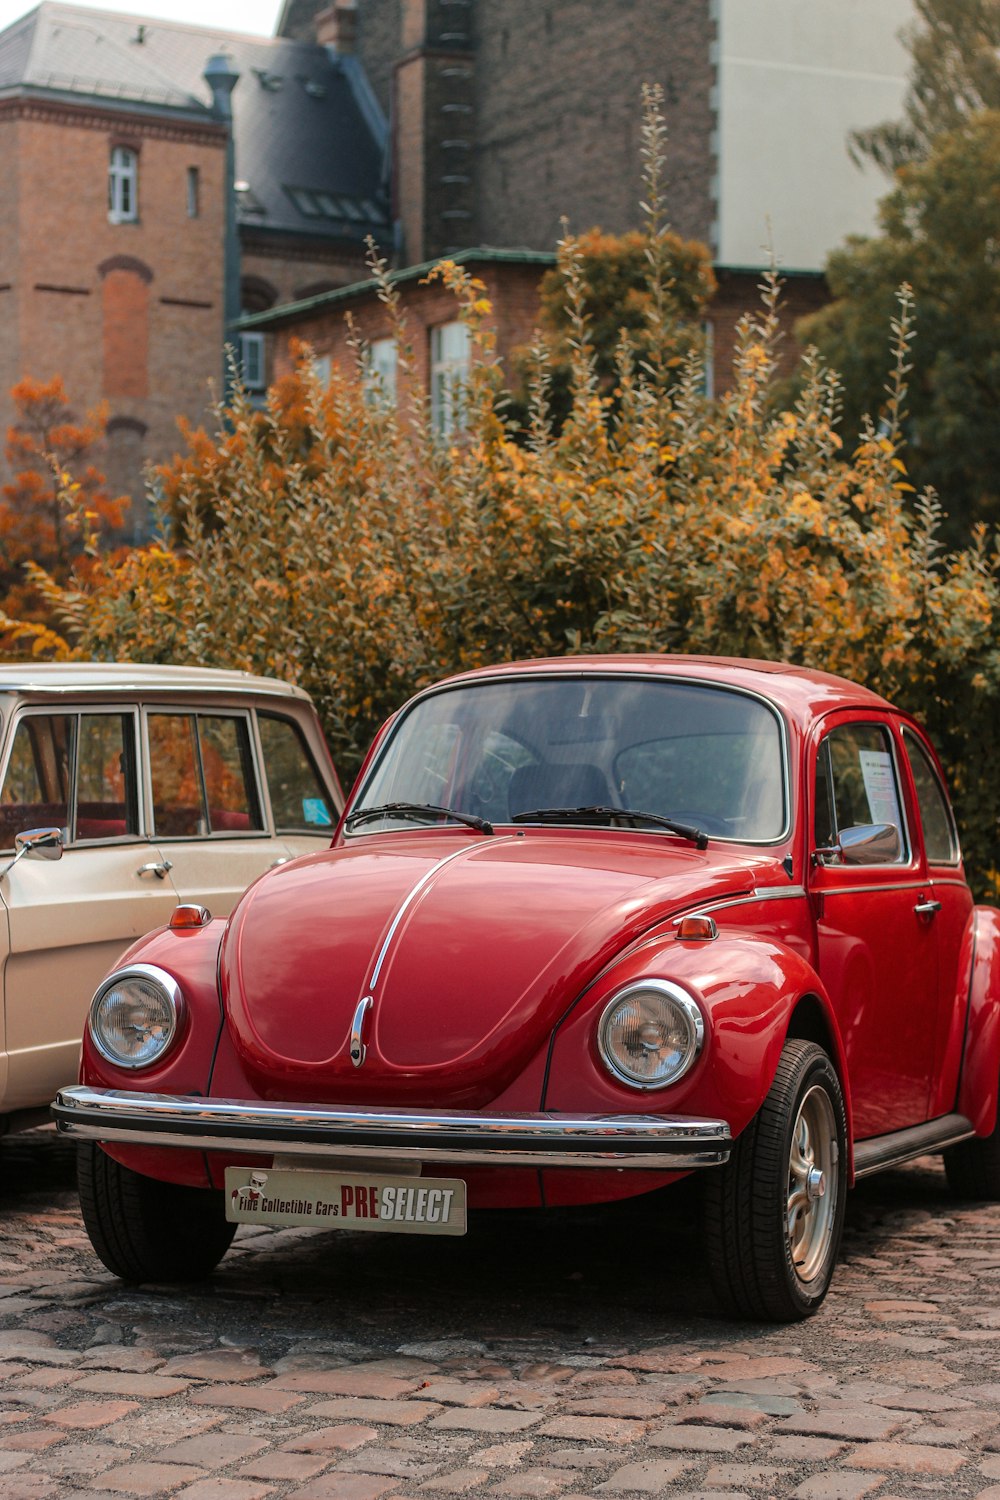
880 785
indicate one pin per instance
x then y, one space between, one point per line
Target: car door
947 912
206 807
876 951
69 920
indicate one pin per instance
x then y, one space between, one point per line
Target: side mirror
867 844
39 843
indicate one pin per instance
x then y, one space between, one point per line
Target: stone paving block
806 1449
217 1364
51 1378
772 1477
854 1424
141 1479
504 1453
357 1381
486 1419
283 1466
344 1487
696 1439
22 1486
11 1461
715 1413
389 1461
160 1425
457 1392
341 1438
838 1486
637 1407
907 1458
456 1482
616 1430
212 1450
145 1387
86 1415
121 1357
246 1398
391 1413
214 1488
532 1484
30 1439
647 1477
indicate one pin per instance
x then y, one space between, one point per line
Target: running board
882 1151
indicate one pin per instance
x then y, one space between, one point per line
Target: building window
252 365
193 191
380 372
450 351
123 184
708 357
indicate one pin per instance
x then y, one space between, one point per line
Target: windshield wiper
420 810
613 815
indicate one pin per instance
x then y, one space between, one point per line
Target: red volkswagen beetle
587 926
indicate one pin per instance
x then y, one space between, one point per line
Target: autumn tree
57 506
940 232
955 50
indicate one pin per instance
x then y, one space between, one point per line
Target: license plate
345 1200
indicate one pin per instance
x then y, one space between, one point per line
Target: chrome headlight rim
691 1014
174 997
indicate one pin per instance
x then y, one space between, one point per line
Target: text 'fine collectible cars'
587 926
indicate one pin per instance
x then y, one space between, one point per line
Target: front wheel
145 1230
775 1212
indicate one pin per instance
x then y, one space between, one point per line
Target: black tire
973 1167
145 1230
772 1229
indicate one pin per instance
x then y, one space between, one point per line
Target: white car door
68 920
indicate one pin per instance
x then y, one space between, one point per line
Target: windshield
501 750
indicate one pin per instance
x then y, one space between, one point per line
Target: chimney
337 26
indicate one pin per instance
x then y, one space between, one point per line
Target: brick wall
131 313
738 294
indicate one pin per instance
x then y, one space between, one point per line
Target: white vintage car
126 790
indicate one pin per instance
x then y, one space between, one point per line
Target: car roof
802 691
135 677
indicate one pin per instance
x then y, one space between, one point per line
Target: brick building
146 204
509 114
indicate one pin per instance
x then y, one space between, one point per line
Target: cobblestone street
573 1355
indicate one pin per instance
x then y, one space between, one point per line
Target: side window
106 803
299 800
857 787
940 838
36 784
202 775
178 796
229 778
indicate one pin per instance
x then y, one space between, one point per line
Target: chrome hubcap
811 1206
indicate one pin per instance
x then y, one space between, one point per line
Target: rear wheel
145 1230
775 1212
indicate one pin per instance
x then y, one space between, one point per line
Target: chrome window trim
907 732
608 674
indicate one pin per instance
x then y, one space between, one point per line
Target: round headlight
135 1016
650 1034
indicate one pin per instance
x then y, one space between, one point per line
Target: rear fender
753 993
977 1089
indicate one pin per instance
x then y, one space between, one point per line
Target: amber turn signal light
696 929
189 916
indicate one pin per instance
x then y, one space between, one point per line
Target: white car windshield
542 749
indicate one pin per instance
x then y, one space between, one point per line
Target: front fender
977 1089
749 989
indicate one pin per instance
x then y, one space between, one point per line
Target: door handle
156 868
927 908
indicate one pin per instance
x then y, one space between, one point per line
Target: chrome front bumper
650 1142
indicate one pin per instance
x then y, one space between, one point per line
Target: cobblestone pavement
572 1355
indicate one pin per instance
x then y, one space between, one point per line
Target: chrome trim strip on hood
648 1142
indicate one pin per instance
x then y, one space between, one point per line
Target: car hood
470 949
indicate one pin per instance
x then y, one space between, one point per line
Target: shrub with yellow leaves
341 544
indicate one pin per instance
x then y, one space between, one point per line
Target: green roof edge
289 311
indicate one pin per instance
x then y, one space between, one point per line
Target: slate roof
310 138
